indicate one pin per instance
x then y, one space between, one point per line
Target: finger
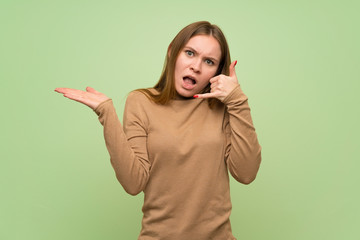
232 69
91 90
63 90
73 96
68 90
214 85
214 79
206 95
60 90
78 98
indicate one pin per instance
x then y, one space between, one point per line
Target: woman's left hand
222 85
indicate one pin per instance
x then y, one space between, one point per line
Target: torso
187 194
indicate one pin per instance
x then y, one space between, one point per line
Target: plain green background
298 62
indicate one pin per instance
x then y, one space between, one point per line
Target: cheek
180 62
205 82
211 73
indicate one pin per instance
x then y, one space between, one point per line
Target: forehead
206 45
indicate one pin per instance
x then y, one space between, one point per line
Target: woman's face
197 62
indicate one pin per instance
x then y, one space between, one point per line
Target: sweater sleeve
127 148
243 151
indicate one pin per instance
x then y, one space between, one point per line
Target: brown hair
166 84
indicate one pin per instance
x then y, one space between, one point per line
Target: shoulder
140 98
137 107
137 96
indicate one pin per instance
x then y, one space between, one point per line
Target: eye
189 53
209 62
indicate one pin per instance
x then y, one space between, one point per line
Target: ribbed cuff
235 96
99 108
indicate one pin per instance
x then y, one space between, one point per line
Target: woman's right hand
90 97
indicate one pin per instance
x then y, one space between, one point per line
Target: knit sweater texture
179 155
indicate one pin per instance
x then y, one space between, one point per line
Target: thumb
232 69
91 90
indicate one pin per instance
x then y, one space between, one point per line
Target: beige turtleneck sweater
179 155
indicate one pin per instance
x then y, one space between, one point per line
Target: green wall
298 62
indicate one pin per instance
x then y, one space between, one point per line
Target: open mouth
189 82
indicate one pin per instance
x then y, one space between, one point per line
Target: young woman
180 138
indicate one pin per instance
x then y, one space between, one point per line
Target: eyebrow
211 58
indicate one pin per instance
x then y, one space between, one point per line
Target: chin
186 94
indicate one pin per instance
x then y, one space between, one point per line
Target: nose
196 65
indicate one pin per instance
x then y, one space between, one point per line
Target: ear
169 49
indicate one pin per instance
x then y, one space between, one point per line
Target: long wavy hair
165 87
